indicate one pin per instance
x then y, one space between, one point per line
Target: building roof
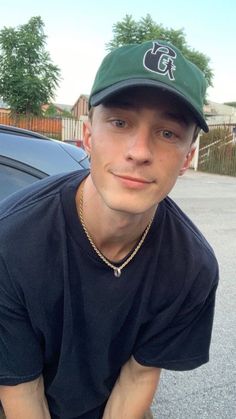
63 106
82 96
219 109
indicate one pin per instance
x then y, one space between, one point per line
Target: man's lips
133 181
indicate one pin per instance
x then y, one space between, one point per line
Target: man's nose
139 146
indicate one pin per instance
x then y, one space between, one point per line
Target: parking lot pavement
208 392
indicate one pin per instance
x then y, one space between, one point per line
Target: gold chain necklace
117 269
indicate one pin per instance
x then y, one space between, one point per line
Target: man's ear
87 131
187 160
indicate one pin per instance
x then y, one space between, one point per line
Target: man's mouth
134 181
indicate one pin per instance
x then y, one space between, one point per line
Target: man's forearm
133 392
25 401
27 408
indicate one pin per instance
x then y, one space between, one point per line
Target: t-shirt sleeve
183 342
20 353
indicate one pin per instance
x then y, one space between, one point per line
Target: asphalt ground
209 391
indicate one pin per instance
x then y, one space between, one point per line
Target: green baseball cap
157 64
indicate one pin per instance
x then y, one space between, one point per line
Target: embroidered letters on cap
160 59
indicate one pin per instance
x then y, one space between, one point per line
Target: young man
104 280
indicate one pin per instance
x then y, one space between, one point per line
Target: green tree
28 77
129 31
52 111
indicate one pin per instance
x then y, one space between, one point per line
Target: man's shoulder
38 194
185 232
189 264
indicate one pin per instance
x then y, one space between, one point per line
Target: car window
13 179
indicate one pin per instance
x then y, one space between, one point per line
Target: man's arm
133 392
25 400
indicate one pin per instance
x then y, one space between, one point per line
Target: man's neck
115 234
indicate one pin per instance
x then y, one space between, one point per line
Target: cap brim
98 98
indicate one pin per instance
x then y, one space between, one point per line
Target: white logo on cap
160 59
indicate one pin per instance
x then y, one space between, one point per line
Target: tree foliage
129 31
52 111
28 77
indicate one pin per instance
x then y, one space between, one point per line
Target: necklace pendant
117 272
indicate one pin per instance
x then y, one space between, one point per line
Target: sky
77 31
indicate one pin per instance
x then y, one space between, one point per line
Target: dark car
27 156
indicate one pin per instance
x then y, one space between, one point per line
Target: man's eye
119 123
167 134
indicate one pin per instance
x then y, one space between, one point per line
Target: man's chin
131 208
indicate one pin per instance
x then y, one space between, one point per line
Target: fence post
234 135
194 162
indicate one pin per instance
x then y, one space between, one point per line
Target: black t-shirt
65 315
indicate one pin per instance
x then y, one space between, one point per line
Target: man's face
139 143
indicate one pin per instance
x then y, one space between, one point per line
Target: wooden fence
217 150
58 128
